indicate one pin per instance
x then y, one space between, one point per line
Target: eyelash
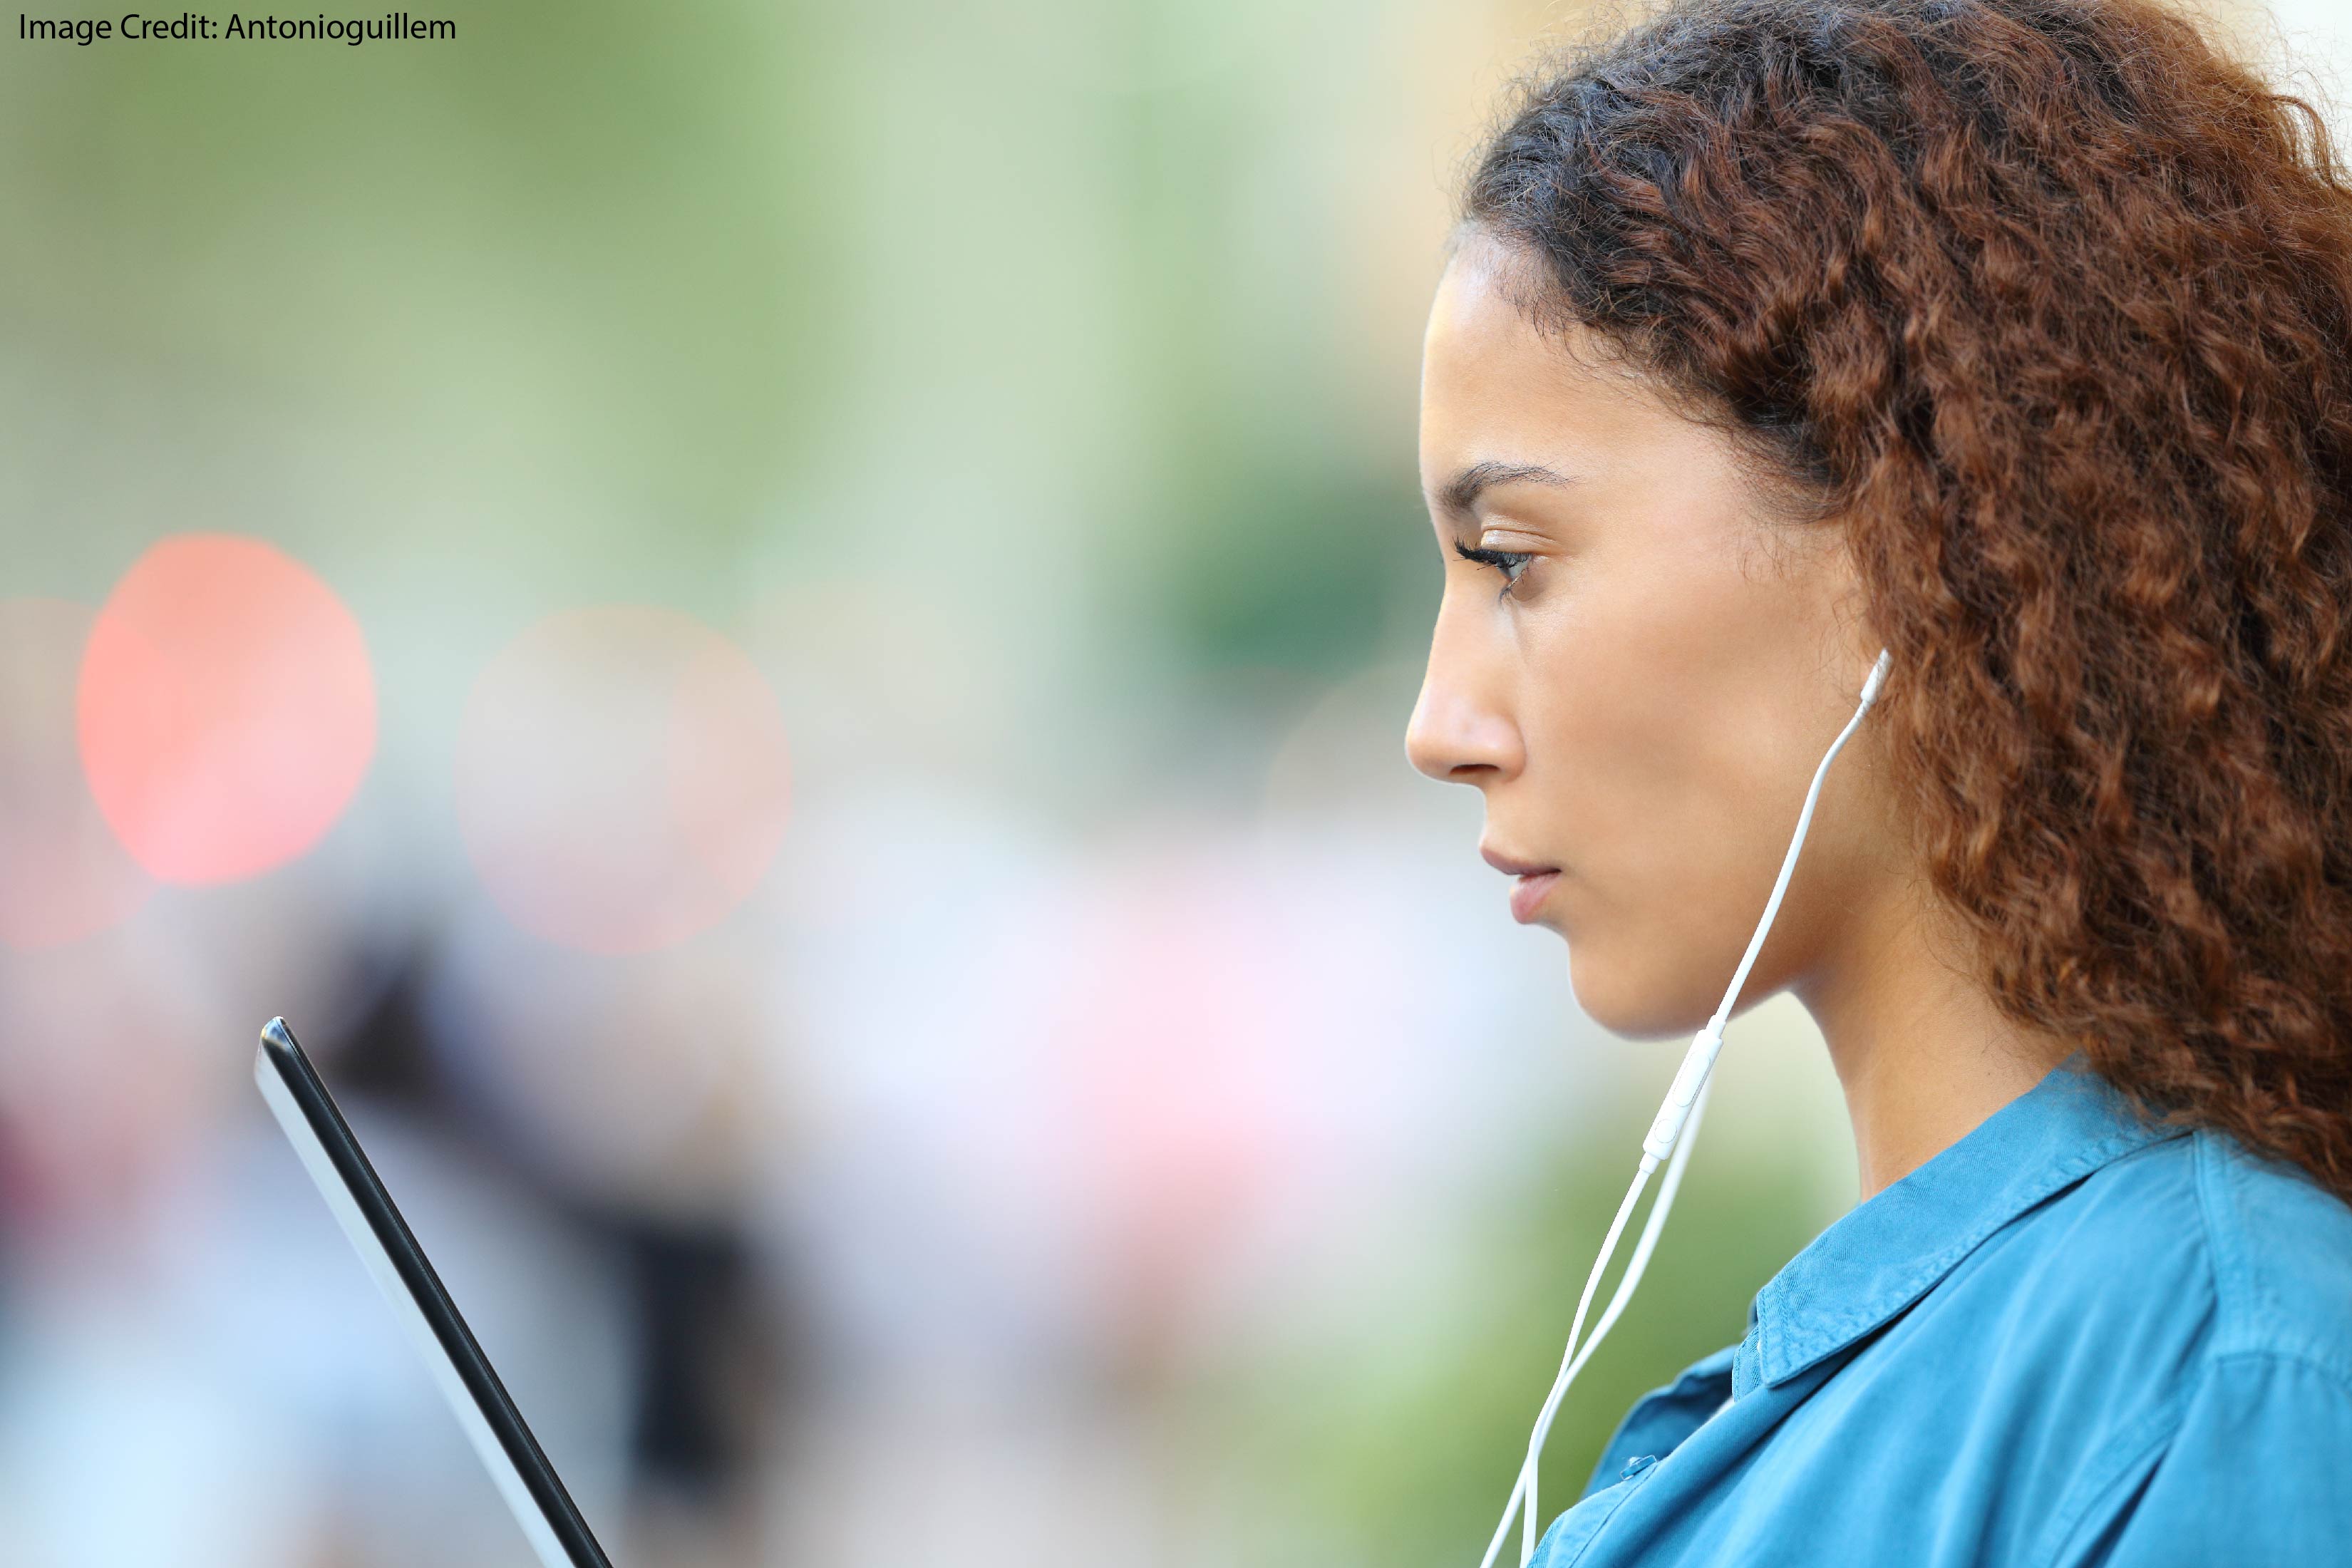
1511 563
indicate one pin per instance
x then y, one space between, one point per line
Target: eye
1511 563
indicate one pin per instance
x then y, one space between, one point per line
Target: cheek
1673 846
1612 762
1651 700
1649 790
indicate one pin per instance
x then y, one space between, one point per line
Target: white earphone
1685 1103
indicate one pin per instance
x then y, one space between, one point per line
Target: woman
2011 337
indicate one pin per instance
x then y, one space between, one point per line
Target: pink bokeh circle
623 779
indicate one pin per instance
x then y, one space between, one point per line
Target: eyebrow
1461 493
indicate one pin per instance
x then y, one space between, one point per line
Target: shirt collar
1888 1252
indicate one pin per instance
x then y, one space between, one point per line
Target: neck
1921 1052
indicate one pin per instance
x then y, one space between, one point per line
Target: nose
1456 737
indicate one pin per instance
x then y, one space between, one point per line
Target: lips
1528 895
1535 881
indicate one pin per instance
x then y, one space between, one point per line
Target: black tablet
333 1157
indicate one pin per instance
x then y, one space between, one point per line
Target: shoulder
2194 1247
2238 1453
2196 1321
2281 1250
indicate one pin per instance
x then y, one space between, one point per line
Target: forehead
1496 387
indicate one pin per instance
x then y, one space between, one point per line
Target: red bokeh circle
226 708
623 778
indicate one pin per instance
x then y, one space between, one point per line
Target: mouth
1528 894
1534 884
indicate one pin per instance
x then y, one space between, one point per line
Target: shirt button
1635 1467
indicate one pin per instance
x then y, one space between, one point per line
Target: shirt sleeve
2257 1473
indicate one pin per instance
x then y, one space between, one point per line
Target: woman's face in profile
1641 672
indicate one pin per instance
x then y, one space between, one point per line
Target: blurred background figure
784 636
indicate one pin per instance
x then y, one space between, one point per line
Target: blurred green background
1104 1115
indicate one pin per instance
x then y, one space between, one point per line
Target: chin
1631 1005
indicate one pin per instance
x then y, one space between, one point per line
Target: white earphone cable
1656 1222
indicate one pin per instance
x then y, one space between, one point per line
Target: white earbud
1684 1102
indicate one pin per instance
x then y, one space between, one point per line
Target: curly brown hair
2046 303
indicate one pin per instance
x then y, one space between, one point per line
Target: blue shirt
2068 1340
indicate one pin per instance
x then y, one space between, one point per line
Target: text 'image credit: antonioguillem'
187 27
